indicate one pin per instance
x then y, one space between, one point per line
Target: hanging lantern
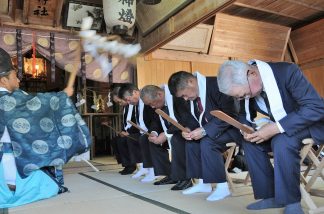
119 15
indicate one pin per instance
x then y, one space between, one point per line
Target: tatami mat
109 192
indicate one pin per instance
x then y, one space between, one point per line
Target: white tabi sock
200 187
221 192
141 171
149 177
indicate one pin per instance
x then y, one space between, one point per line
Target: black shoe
128 170
164 181
181 185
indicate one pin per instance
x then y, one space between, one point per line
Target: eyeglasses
246 95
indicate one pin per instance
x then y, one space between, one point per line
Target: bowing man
160 98
209 135
296 111
155 157
127 150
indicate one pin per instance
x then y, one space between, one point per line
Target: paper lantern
119 15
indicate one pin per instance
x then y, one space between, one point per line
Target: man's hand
263 134
123 133
186 134
69 91
153 136
161 139
197 133
244 133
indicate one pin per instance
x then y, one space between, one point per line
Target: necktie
199 105
136 114
266 101
201 110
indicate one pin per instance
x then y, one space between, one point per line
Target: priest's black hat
5 63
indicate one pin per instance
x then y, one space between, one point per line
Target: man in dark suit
209 135
296 111
160 98
155 156
126 149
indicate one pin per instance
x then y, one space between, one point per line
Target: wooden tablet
138 127
169 119
115 130
228 119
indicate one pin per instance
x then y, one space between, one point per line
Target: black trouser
178 153
283 180
145 151
128 150
205 159
155 156
134 148
160 159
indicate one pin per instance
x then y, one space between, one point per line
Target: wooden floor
109 192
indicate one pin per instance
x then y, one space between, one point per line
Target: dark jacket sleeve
152 120
184 115
181 110
217 101
309 106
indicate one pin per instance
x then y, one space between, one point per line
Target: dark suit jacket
132 129
303 105
182 113
151 120
215 100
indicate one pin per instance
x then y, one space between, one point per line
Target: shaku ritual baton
170 120
138 127
115 130
228 119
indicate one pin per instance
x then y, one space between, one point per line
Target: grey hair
150 92
232 73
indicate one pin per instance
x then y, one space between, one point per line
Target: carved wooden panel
42 12
242 38
196 39
308 42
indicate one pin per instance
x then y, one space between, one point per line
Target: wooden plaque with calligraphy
42 12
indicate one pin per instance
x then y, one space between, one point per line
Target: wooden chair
305 186
229 158
229 154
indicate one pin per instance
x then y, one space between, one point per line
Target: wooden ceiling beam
193 14
266 10
184 56
319 8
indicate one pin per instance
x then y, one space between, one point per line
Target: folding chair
230 151
305 186
229 157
